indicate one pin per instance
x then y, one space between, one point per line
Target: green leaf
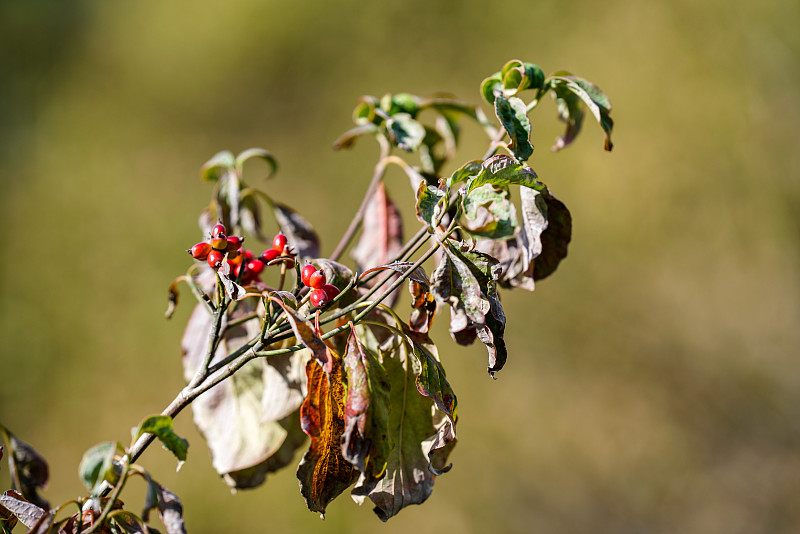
490 213
219 164
405 132
564 86
161 426
513 115
364 112
365 441
97 464
401 103
502 170
518 76
492 86
430 203
349 138
259 153
453 283
432 381
463 174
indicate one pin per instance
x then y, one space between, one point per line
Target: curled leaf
161 426
306 334
405 132
220 164
513 115
569 91
258 153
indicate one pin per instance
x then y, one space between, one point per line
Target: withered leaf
555 238
14 503
324 473
29 471
299 233
424 307
365 442
243 436
453 283
382 232
402 267
170 509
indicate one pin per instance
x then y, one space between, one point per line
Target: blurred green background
653 383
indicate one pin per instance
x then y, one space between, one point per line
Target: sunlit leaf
306 334
400 103
513 115
18 508
502 170
258 153
161 426
492 86
430 202
405 132
219 164
518 76
97 464
349 138
489 212
432 381
324 473
365 441
564 86
452 283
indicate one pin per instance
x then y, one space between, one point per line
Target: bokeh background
653 383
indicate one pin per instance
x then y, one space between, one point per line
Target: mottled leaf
382 232
489 212
220 164
401 103
513 115
161 426
324 473
299 233
365 441
258 153
409 474
518 76
465 172
502 170
492 86
234 291
97 464
453 283
430 202
405 132
27 512
432 381
564 84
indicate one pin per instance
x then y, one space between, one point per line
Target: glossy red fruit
234 243
255 266
317 279
215 258
318 298
220 243
331 291
306 272
279 243
269 255
218 230
235 257
248 255
200 251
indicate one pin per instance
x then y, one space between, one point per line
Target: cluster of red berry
321 292
215 250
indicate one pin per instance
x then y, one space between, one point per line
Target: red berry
306 272
248 255
318 298
317 279
331 291
235 258
200 251
220 243
279 243
215 258
218 230
255 266
269 255
234 243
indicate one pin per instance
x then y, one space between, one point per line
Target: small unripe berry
235 257
306 272
234 243
200 251
331 291
317 279
318 298
255 266
279 243
269 255
215 258
218 230
220 243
